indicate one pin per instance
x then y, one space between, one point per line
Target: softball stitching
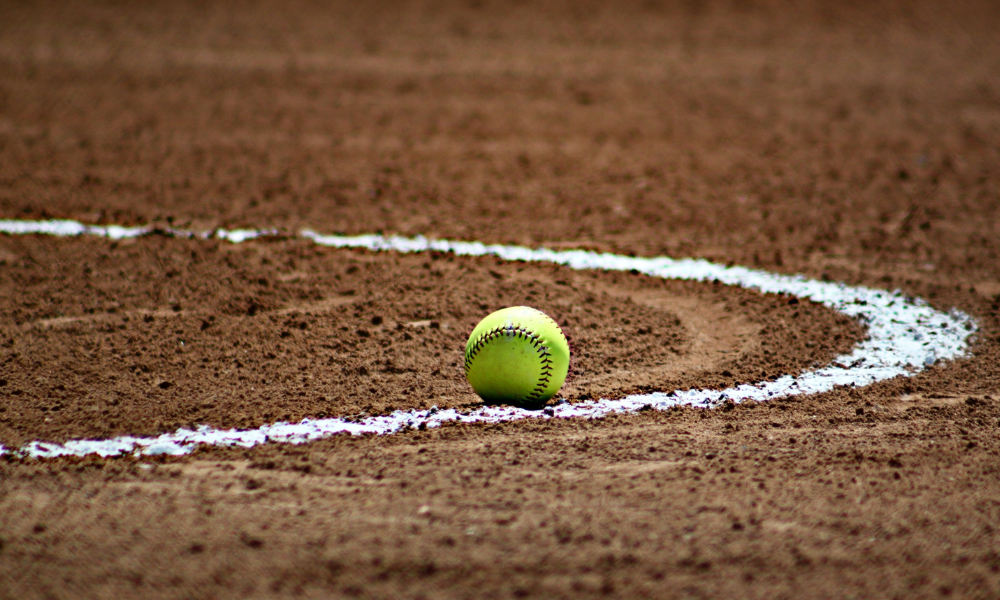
519 331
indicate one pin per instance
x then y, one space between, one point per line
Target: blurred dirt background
855 142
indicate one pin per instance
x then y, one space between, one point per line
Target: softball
517 355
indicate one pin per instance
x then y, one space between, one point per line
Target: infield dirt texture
850 142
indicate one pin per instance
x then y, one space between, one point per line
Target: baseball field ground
232 333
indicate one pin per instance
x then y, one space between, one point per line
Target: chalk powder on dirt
906 335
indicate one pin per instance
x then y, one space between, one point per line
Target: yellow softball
517 355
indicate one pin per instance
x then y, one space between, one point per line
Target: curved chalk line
906 335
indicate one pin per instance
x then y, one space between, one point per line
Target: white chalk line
906 335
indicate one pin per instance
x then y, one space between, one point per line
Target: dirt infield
285 331
848 143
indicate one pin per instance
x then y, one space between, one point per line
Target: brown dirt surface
854 142
145 336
